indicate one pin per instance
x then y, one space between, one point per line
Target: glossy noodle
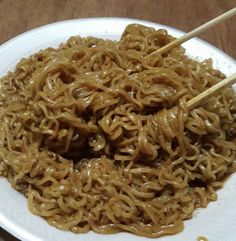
97 136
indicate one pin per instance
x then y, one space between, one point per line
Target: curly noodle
96 134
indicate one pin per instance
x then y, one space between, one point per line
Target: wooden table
18 16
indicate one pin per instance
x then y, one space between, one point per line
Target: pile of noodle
97 136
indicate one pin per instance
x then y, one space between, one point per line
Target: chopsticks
195 32
229 81
197 100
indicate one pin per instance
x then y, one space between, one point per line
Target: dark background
18 16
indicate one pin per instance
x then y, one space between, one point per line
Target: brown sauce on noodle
97 136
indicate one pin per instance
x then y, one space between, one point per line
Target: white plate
216 222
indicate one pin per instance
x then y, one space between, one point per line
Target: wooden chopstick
197 100
195 32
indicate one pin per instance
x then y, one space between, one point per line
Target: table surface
18 16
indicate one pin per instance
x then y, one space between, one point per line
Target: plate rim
30 31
